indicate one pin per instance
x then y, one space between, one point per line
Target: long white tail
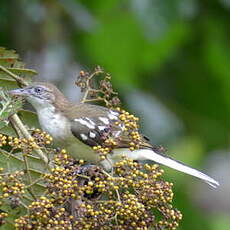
148 154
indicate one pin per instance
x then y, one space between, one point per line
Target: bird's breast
54 123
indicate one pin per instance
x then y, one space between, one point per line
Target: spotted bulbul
79 127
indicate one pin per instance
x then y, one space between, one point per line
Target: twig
88 88
9 155
27 198
92 100
14 76
16 129
118 195
116 190
33 183
83 176
24 205
107 174
30 189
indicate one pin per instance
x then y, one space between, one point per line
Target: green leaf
8 54
7 130
29 118
2 124
8 83
14 162
9 59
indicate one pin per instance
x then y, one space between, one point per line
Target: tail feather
147 154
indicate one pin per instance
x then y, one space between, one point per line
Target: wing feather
100 124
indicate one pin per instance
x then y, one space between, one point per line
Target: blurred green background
170 61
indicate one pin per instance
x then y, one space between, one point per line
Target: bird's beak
19 92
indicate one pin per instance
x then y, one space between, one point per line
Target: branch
88 86
14 76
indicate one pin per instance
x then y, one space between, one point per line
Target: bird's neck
61 103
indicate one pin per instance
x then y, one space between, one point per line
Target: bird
80 127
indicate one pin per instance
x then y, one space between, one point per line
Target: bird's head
40 94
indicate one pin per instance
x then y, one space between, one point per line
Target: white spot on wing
83 136
122 126
101 127
114 113
90 121
86 123
117 133
92 135
112 117
105 120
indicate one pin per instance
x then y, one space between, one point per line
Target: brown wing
99 124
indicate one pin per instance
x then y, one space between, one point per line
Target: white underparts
53 123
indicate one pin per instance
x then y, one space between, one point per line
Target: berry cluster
3 215
44 215
94 199
11 187
39 139
42 138
80 196
3 140
131 128
103 151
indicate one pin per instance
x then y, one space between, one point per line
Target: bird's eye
38 90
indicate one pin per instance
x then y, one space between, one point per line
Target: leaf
29 118
8 106
8 83
8 54
13 214
15 162
2 124
7 130
9 59
8 226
